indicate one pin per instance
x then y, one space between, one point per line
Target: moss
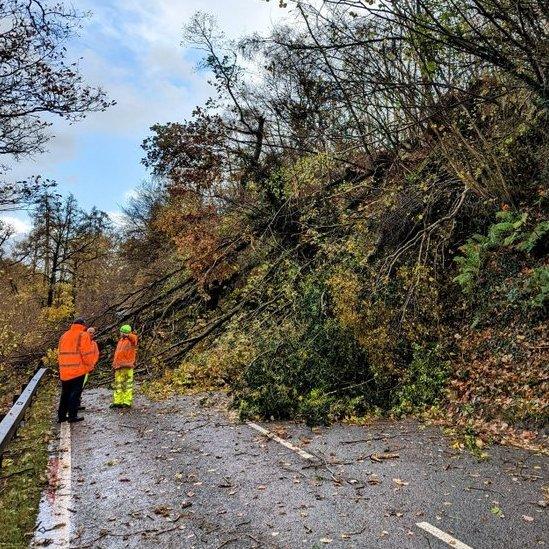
23 474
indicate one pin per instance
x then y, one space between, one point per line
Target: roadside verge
23 474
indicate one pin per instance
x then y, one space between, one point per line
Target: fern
469 263
506 232
529 243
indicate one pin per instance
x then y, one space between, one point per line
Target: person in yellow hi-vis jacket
123 365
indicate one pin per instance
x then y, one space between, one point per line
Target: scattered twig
196 427
380 457
255 539
160 532
353 386
357 533
357 441
485 490
226 542
43 530
128 534
381 437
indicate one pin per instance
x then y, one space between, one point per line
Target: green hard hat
126 329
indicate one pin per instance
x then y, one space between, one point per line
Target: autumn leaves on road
183 473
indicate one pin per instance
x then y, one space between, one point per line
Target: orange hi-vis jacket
126 352
95 353
75 353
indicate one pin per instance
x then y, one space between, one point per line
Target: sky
133 50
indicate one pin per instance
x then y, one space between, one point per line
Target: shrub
315 407
423 382
273 401
532 239
538 287
508 231
300 360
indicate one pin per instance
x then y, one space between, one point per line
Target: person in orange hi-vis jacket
95 348
94 361
75 359
123 364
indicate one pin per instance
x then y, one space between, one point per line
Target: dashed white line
433 530
443 536
272 436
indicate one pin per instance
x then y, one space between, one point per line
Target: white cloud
131 193
60 148
158 21
19 226
133 50
164 85
117 219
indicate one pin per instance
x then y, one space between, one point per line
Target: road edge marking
443 536
64 495
272 436
56 510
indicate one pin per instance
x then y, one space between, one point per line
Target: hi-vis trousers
123 386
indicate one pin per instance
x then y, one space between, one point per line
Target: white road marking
272 436
446 538
54 515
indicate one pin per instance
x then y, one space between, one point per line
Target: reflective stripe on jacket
74 353
126 352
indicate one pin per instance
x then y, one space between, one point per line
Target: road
183 473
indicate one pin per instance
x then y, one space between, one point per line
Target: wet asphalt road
183 474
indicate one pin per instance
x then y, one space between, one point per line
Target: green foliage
507 232
273 400
470 263
23 472
304 366
538 287
423 382
534 237
315 407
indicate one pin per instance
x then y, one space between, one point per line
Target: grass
23 472
11 379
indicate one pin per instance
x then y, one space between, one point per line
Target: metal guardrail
11 421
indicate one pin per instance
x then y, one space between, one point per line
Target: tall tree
62 240
37 80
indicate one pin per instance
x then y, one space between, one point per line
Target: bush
273 401
423 383
315 407
509 231
302 360
538 287
474 251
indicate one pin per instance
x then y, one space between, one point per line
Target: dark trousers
70 397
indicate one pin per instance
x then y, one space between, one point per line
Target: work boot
61 419
75 419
